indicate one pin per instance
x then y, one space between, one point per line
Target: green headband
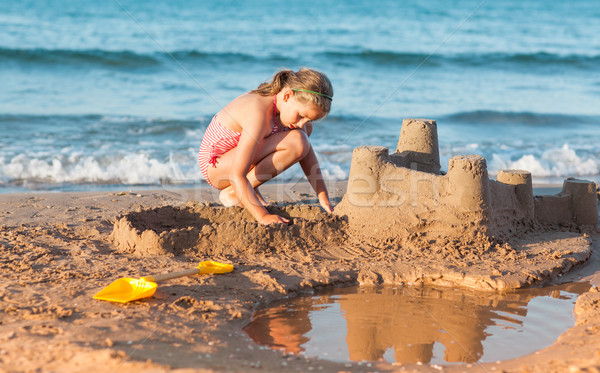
309 91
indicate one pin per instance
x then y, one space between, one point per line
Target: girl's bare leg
276 154
261 198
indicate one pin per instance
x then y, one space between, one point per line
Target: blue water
120 92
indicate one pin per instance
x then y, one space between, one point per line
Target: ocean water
118 93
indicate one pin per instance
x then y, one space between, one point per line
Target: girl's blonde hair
309 86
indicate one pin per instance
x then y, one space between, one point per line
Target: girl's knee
298 143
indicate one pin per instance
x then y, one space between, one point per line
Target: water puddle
406 324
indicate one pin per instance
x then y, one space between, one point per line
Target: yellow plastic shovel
127 289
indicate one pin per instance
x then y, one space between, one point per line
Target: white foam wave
554 162
133 169
126 169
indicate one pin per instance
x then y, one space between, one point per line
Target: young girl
263 132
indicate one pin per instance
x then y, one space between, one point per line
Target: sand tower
418 145
393 195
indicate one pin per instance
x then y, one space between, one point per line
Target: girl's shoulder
249 99
249 110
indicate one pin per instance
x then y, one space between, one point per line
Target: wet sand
59 249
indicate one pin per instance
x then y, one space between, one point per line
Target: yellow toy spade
127 289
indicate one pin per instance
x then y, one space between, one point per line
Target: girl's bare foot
228 198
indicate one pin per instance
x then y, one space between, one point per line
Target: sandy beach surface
58 249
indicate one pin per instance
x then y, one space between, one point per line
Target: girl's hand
324 201
271 219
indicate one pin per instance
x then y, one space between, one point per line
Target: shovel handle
168 276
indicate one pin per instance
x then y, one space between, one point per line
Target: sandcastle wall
392 195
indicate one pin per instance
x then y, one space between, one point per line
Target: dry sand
59 249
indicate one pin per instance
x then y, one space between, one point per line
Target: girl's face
295 114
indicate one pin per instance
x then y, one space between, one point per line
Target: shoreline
275 189
57 252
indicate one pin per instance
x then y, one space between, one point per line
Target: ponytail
280 80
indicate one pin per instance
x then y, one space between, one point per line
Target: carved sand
401 221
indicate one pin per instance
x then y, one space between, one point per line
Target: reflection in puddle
417 324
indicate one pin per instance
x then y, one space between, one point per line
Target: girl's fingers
327 207
271 219
326 204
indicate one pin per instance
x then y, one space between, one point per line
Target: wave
122 59
379 57
466 59
74 168
118 169
76 150
126 59
124 169
491 117
28 118
94 57
553 162
529 59
149 123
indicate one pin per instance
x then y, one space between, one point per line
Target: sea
113 94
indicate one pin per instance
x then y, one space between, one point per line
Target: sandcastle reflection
405 321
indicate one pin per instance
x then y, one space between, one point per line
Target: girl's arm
310 166
246 148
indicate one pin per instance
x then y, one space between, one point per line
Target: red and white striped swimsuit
218 140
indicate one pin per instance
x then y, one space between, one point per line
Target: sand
59 249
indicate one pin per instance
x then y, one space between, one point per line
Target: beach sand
58 249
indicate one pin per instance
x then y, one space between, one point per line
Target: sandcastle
401 221
392 195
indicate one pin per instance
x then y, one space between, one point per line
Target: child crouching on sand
262 133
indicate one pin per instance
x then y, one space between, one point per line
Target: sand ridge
458 259
201 230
